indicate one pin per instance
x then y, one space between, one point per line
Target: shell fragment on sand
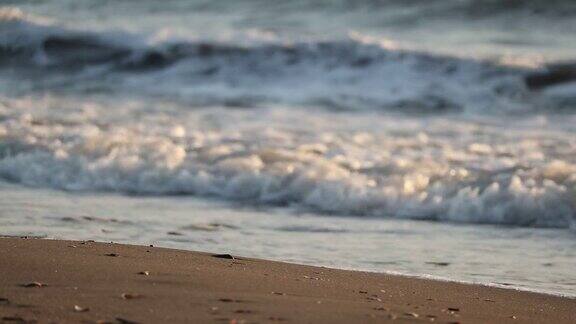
80 309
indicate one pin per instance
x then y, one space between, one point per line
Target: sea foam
345 164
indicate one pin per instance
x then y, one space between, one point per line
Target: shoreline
472 283
91 282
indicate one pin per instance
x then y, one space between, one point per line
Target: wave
444 170
358 73
406 167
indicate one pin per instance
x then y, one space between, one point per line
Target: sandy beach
51 281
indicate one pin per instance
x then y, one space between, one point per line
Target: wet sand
51 281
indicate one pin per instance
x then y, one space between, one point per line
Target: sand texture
50 281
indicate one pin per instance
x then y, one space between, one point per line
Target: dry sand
51 281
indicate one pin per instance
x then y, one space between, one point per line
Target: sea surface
391 136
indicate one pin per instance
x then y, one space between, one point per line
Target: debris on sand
125 321
34 284
80 309
15 319
275 318
130 296
236 321
229 300
243 311
224 256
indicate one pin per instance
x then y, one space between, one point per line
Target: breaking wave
403 168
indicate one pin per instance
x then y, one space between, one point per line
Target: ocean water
390 136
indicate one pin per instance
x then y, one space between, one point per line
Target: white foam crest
403 168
